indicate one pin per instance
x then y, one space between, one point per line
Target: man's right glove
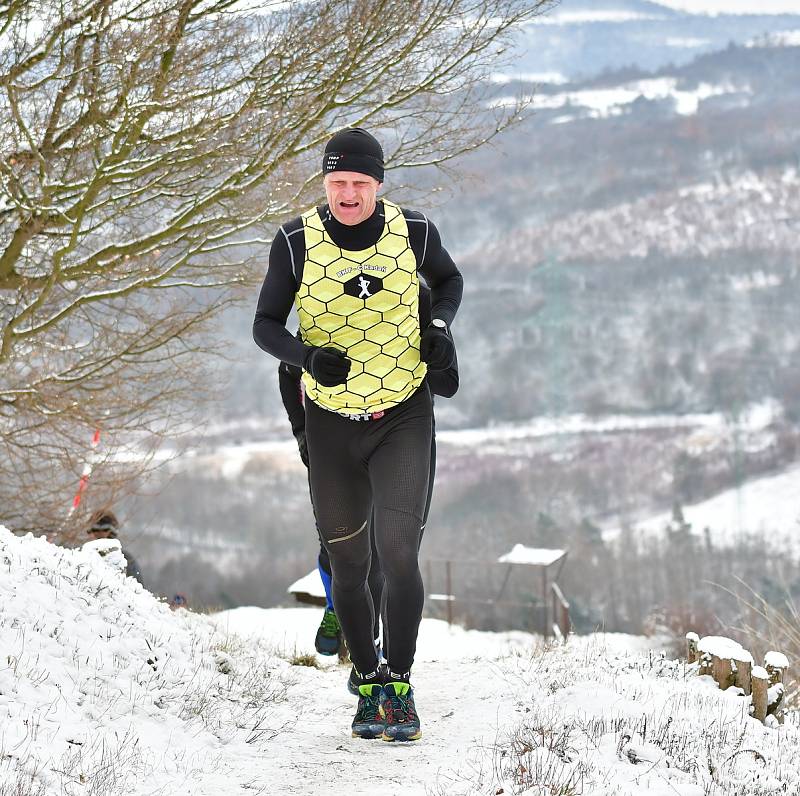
302 445
436 347
328 366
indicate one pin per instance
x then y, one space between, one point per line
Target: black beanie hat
354 149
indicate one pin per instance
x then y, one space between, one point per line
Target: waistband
367 416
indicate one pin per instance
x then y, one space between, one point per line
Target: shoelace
330 624
367 708
402 708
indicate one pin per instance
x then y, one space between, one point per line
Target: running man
352 269
441 382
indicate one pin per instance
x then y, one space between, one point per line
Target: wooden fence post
705 661
776 664
760 681
692 640
742 676
722 671
725 660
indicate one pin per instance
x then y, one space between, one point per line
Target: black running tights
380 466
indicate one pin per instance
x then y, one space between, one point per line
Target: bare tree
147 150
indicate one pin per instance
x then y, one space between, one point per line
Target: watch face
439 322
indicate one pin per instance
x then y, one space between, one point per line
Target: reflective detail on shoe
399 712
368 721
329 634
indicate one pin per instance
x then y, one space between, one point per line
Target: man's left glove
436 347
302 445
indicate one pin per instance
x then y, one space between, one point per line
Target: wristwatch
440 324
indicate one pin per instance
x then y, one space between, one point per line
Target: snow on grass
104 691
627 724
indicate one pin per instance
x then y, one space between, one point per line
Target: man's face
351 196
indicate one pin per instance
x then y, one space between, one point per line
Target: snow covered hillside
104 691
764 508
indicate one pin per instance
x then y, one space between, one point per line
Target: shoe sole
402 737
369 733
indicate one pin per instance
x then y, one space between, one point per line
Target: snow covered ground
104 691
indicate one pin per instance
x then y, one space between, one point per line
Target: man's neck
357 236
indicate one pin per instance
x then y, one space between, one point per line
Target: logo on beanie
364 286
331 160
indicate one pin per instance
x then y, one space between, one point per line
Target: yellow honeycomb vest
365 303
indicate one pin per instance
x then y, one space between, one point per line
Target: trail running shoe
329 634
399 713
368 721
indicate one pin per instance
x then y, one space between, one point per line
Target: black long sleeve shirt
285 274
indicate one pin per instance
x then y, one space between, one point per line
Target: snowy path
456 680
106 692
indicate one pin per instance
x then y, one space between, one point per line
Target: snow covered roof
538 556
308 584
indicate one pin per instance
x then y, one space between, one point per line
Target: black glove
436 347
328 366
302 445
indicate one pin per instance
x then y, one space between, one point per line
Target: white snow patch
724 647
559 17
722 7
308 584
558 425
757 280
686 41
110 550
607 102
539 556
502 78
781 38
776 659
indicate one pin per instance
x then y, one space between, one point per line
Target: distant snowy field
604 103
717 7
764 508
105 691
